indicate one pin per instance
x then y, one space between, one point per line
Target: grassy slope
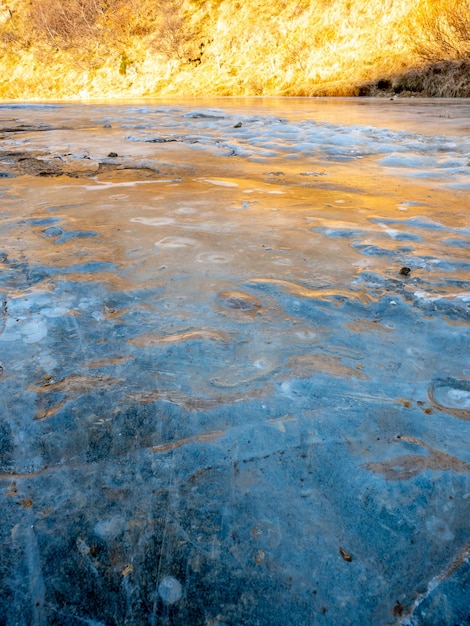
251 47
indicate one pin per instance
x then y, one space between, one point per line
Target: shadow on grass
440 79
443 79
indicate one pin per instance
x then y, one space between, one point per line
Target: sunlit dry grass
88 48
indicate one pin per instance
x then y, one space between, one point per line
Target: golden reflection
71 386
405 466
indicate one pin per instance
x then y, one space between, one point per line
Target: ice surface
234 363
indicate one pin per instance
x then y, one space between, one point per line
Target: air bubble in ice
451 394
439 529
170 590
176 242
110 528
213 257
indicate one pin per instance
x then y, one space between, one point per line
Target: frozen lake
234 363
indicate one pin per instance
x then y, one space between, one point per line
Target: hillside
55 49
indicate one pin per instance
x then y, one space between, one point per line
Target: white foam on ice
28 330
220 182
263 137
153 221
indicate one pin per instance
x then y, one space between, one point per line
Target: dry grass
442 30
116 48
